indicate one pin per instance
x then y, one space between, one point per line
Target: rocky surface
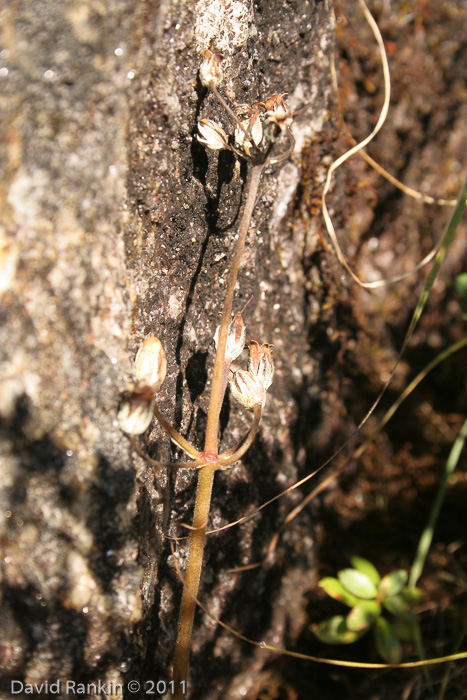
116 224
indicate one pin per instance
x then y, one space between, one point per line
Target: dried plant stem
231 456
206 474
157 464
215 401
175 435
192 576
228 109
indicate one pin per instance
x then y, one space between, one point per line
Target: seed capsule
151 364
247 389
211 135
261 363
277 111
136 409
235 338
252 132
210 71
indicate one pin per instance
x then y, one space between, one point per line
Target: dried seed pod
260 362
210 71
240 135
280 120
211 135
247 389
136 409
277 111
252 132
235 338
151 363
275 102
256 129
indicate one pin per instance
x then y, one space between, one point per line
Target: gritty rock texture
115 224
185 205
71 579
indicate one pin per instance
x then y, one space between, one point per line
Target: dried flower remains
212 135
210 71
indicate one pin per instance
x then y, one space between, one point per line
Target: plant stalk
174 434
228 458
215 401
192 576
206 474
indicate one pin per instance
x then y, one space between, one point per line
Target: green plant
461 288
369 595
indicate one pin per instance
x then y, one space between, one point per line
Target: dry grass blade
358 148
408 390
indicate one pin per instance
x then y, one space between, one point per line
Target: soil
379 505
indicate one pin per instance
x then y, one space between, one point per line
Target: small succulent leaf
362 615
358 583
412 596
396 605
403 630
387 643
334 631
336 590
366 567
393 583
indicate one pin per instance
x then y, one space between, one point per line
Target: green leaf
336 590
362 616
357 583
412 596
403 630
393 583
334 631
387 643
461 283
366 567
396 605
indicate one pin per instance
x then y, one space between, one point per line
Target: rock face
117 224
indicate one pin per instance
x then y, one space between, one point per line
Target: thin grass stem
407 391
427 535
228 109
